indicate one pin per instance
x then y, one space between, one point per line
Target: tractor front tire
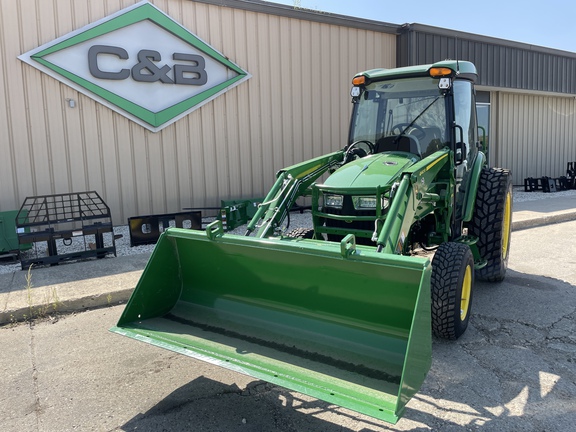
451 287
492 222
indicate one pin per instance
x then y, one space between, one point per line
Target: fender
470 199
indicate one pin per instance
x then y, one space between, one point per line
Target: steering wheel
357 150
420 133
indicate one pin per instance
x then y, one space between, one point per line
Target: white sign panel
140 63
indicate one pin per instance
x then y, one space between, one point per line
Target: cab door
466 139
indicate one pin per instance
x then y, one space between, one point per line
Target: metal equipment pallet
62 217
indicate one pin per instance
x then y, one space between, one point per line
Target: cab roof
460 68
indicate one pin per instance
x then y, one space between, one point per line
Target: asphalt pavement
514 369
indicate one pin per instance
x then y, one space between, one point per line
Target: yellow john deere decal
429 167
311 170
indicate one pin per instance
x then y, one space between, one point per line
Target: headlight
368 202
364 202
333 201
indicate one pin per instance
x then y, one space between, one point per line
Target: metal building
60 132
526 95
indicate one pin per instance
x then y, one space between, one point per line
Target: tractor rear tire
451 287
492 222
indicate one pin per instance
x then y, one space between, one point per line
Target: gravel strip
297 220
521 196
123 248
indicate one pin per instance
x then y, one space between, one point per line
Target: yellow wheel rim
506 225
466 291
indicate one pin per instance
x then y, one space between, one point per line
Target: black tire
492 222
451 287
305 233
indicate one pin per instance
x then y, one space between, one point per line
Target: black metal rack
48 218
147 229
547 184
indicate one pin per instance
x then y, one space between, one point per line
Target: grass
49 305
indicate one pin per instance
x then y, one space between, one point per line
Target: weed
29 292
50 304
298 6
56 303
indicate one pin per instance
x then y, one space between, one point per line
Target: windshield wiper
414 121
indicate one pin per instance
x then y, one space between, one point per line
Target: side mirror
460 154
460 149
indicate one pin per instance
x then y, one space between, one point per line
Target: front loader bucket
345 325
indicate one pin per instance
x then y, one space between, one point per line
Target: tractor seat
432 141
403 143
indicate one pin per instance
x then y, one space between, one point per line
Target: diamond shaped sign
140 63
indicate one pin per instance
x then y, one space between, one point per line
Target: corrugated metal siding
295 106
500 63
532 134
535 135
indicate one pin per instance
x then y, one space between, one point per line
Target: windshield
413 107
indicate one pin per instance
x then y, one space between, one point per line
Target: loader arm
291 183
420 191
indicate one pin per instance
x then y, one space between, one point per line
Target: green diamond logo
140 63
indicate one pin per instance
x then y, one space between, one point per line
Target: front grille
349 210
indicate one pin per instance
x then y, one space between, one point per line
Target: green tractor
404 218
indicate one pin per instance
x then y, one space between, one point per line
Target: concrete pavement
68 287
78 286
539 212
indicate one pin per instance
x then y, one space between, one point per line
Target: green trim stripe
175 110
134 109
144 12
153 119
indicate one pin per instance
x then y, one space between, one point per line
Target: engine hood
371 171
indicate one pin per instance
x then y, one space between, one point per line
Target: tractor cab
413 113
415 110
407 115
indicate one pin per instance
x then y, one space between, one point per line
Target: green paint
350 328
